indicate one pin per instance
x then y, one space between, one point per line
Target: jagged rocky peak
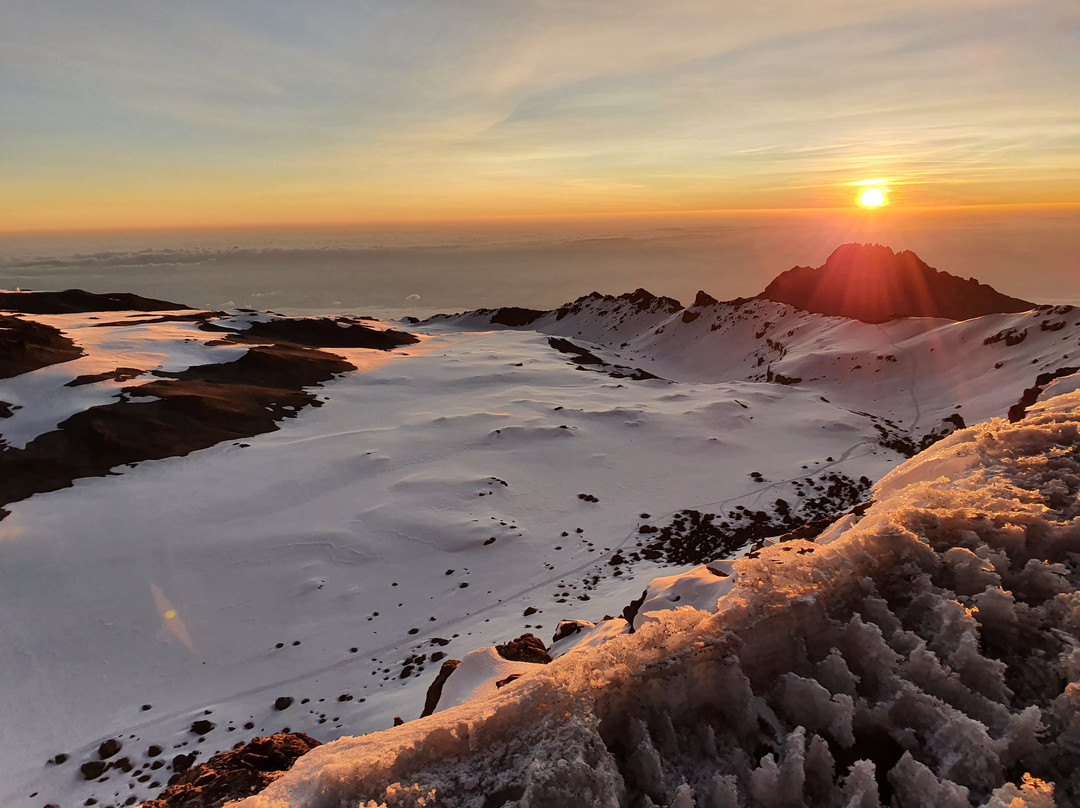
870 282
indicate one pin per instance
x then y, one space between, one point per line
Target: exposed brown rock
526 648
195 409
26 345
434 691
238 773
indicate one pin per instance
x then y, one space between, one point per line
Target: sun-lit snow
437 496
928 655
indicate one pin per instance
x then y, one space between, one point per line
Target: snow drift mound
871 283
929 655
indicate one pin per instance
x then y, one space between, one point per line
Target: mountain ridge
871 283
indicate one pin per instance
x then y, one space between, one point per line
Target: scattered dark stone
582 357
146 707
587 498
153 750
106 749
398 720
344 697
123 764
1010 336
283 703
526 648
202 726
489 541
60 759
434 691
693 537
511 678
237 773
531 610
92 769
463 585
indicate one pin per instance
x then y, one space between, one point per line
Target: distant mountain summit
870 282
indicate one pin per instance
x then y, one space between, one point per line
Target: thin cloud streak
200 112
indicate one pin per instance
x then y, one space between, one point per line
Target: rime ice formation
929 655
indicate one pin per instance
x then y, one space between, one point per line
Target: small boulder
92 769
526 648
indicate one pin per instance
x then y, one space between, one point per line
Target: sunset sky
129 113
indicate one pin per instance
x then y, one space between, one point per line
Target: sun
873 197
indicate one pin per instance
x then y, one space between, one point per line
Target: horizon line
524 217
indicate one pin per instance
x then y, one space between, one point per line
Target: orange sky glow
128 116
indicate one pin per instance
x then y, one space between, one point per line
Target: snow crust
927 656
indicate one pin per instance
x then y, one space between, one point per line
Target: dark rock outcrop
568 628
434 691
515 316
195 409
318 332
235 774
870 282
73 301
26 345
526 648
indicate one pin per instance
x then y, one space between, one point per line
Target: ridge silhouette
870 282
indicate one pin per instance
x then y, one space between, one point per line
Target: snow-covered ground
440 493
928 656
